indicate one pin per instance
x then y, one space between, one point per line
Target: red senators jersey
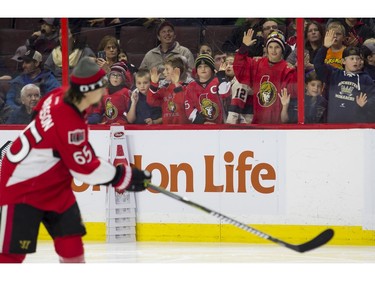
266 79
40 164
171 99
206 99
116 106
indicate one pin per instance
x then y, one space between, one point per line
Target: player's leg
70 249
19 225
67 230
11 258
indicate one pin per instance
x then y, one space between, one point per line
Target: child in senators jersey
114 104
170 97
205 96
267 76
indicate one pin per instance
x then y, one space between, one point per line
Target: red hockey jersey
266 79
207 100
171 99
40 164
116 106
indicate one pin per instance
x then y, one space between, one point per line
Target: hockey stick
4 148
316 242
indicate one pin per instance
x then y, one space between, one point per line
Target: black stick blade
318 241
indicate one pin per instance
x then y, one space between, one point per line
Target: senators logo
110 110
209 109
267 94
172 107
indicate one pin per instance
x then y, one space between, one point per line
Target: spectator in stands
204 97
219 58
5 111
13 72
47 38
232 44
258 48
240 109
30 95
76 50
205 48
33 73
168 47
170 97
356 31
315 103
351 92
334 53
140 112
111 48
115 103
313 35
368 50
267 76
131 69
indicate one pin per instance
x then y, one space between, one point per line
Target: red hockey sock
12 258
70 249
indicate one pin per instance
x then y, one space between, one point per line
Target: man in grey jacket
168 47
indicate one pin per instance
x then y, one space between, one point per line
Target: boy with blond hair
140 112
334 53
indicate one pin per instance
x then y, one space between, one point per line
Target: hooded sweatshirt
343 88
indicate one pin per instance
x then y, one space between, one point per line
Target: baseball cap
20 52
50 21
370 44
351 51
163 24
31 55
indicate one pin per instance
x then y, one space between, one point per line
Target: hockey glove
130 179
139 180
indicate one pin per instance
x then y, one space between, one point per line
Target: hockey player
38 168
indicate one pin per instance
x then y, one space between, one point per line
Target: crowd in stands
244 72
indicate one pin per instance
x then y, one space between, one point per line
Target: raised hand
154 75
248 37
329 39
175 77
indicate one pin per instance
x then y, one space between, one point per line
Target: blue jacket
46 81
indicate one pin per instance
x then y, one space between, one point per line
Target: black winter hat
205 59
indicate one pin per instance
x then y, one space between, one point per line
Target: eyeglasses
269 27
115 75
